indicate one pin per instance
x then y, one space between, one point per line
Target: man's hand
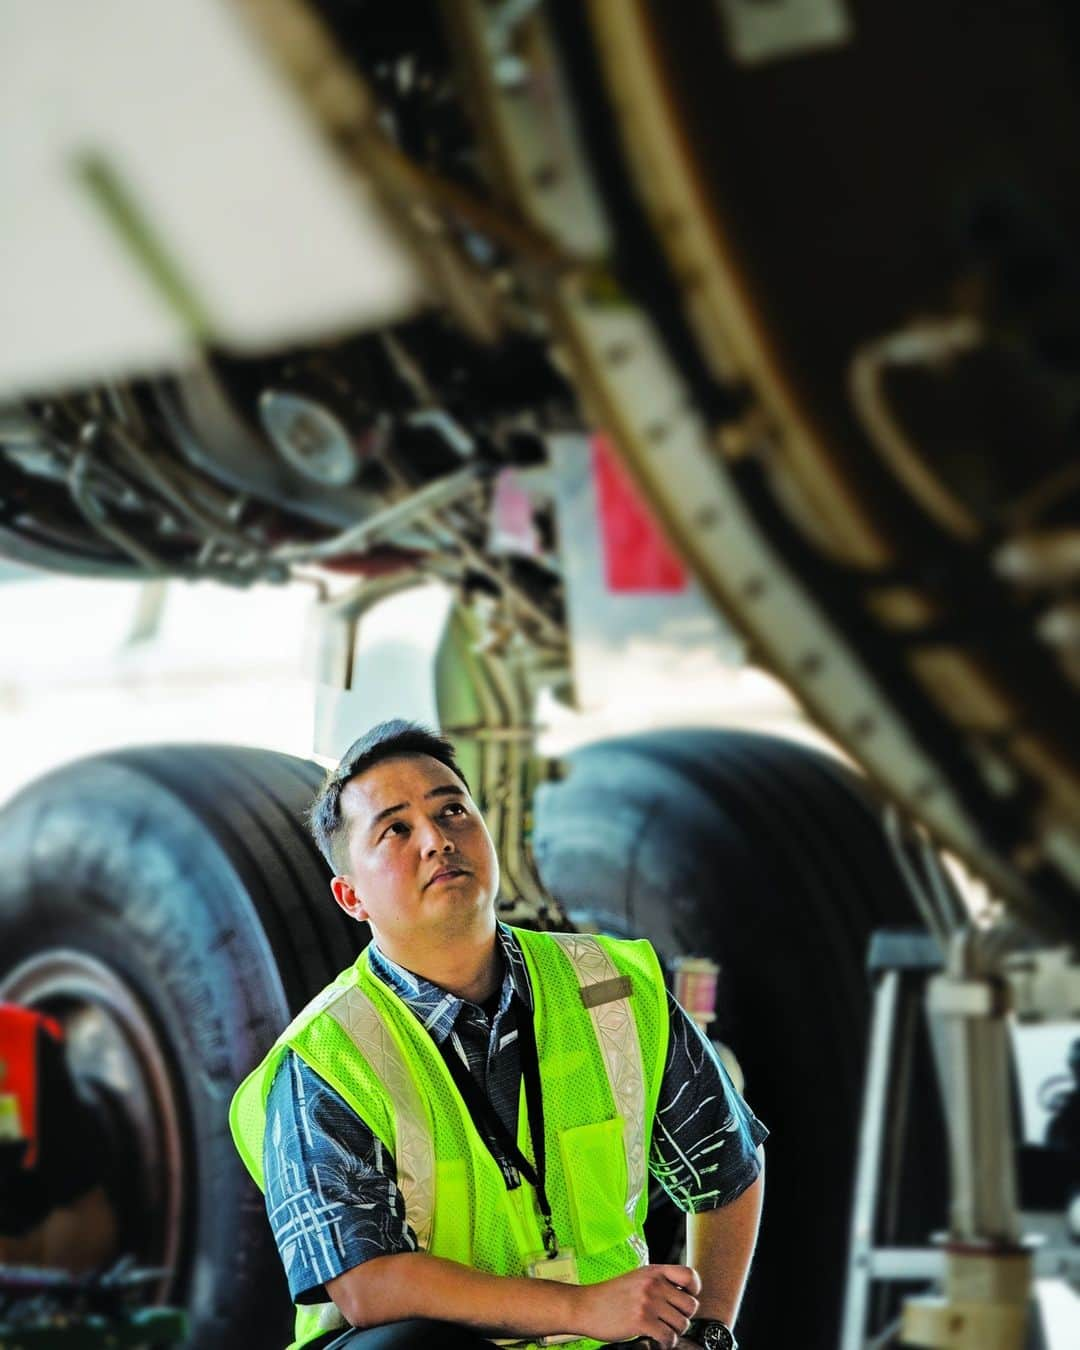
654 1301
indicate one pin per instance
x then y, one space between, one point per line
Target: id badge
562 1267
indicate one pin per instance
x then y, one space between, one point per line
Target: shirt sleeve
705 1137
331 1185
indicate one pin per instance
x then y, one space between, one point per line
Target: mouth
448 874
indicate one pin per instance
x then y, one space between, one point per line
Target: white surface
393 670
228 667
189 111
1060 1308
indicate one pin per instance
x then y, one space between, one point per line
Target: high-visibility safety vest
600 1016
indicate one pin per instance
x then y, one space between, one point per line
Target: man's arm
719 1245
706 1153
654 1301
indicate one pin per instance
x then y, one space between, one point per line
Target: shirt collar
436 1008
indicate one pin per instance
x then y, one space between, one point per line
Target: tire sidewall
100 860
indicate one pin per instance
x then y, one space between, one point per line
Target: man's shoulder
593 954
325 1000
294 1079
282 1082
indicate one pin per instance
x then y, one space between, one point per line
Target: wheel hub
114 1052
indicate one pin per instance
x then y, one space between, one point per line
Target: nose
435 842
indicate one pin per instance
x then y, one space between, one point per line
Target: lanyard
481 1109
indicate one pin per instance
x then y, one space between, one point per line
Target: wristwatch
711 1334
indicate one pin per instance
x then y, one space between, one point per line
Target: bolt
305 435
511 74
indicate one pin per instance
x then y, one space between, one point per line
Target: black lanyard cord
480 1109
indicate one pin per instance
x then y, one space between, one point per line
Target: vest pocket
451 1235
594 1165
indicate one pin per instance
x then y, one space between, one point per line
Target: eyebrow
445 790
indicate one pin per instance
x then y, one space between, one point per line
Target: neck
468 967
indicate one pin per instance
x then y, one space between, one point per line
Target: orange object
695 987
20 1029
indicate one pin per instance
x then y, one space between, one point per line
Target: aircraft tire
169 901
770 858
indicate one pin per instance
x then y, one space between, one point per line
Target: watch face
718 1337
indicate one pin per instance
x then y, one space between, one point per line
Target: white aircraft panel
190 117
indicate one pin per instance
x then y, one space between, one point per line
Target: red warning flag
637 557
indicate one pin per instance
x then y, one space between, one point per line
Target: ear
350 902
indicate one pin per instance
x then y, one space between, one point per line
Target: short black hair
386 740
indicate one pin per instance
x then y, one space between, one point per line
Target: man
453 1137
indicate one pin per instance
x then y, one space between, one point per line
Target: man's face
420 863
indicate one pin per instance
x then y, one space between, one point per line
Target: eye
454 809
395 827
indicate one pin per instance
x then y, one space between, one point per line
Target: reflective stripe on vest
414 1151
